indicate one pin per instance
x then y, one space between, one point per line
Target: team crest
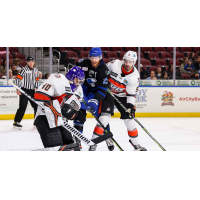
85 68
57 76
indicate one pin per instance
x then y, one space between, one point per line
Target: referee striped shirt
29 78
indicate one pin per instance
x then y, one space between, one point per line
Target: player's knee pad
131 127
66 136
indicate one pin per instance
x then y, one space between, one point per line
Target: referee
29 78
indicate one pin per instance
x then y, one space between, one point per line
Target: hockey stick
68 127
127 110
103 127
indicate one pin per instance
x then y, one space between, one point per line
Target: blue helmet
95 52
75 72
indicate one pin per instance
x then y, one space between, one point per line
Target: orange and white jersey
123 83
57 87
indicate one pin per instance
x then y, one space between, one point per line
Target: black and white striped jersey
29 78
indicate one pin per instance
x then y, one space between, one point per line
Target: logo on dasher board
167 99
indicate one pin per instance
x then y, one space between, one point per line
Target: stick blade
102 138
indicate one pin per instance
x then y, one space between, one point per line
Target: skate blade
19 128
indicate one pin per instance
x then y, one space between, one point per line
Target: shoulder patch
81 60
57 76
107 72
85 68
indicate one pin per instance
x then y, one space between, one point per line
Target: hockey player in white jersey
61 97
124 83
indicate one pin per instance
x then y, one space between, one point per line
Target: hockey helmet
131 56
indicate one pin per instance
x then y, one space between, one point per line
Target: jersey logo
57 76
81 60
107 72
125 81
91 72
105 81
91 81
84 68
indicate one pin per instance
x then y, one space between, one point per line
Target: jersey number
105 81
46 87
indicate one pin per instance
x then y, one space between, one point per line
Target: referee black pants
23 101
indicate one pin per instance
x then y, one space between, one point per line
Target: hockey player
124 83
60 96
95 93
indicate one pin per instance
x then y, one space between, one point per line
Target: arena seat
177 62
145 62
186 49
154 68
170 49
106 60
195 49
166 56
146 49
2 49
141 54
112 55
20 56
1 62
13 50
130 49
185 76
161 62
179 56
23 63
121 55
84 54
159 49
117 49
11 62
88 48
105 49
153 56
4 56
71 56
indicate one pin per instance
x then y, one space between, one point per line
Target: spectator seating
177 62
159 49
112 55
195 55
130 49
2 49
20 56
104 49
23 63
195 49
117 49
185 76
171 49
106 60
146 49
186 49
1 62
154 68
4 56
179 56
166 56
84 54
11 62
13 50
161 62
71 56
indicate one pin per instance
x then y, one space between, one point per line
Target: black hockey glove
68 112
131 109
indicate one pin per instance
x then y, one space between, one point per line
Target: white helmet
131 56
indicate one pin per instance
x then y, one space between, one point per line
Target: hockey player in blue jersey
95 92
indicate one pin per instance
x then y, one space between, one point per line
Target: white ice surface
174 134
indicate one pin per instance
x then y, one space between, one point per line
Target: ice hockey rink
174 134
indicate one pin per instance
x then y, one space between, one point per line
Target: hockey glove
131 109
92 105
